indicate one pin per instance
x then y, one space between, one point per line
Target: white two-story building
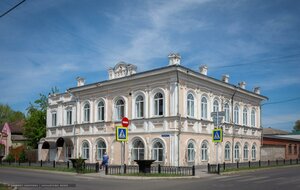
170 117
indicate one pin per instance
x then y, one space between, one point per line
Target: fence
88 167
134 169
217 168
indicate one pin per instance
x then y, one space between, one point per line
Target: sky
49 43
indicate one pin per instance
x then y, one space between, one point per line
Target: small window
86 117
139 106
85 150
204 108
236 115
158 104
54 119
120 109
253 118
216 106
253 152
158 152
101 111
101 149
191 152
190 105
246 152
227 151
245 116
204 151
226 110
237 152
295 149
69 117
138 150
290 149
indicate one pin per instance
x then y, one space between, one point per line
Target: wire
282 101
12 8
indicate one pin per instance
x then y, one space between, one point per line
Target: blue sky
49 43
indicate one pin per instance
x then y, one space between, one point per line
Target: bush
78 164
22 156
9 158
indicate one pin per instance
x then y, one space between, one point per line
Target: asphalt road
271 179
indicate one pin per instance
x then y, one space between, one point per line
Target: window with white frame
245 116
227 151
138 150
246 150
237 152
190 105
54 119
158 104
101 149
139 106
253 118
204 107
85 150
236 115
226 110
204 151
158 151
101 111
120 109
86 111
216 106
191 152
253 152
69 117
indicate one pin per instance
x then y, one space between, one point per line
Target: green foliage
7 114
22 156
2 149
296 126
10 157
78 163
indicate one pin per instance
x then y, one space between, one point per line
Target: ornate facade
170 118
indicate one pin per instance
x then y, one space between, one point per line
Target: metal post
268 162
193 170
249 164
159 168
224 167
53 163
68 164
259 164
208 168
41 163
106 169
218 168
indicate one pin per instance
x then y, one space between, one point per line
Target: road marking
253 179
265 181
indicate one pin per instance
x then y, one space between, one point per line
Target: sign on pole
125 122
217 113
121 134
217 135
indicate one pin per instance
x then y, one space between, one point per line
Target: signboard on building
121 134
217 135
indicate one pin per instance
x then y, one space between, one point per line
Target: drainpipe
179 120
75 122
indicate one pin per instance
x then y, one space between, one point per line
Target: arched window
138 150
253 118
158 104
253 152
246 150
101 111
85 150
204 151
86 117
204 108
227 151
101 149
226 110
190 105
191 152
237 152
158 151
236 115
120 109
139 106
245 116
216 106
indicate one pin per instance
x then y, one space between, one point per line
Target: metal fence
217 168
87 167
134 169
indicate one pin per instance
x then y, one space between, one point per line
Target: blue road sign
122 134
217 135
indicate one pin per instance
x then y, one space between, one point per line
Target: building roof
18 138
272 131
284 137
167 69
15 127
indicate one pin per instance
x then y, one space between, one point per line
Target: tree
9 115
35 126
297 126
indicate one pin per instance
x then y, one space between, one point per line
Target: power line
12 8
283 101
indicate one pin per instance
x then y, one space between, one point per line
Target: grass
5 187
255 168
150 175
61 169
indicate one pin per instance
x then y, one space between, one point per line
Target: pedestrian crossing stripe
121 134
217 135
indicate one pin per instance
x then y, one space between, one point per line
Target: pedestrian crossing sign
121 134
217 135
